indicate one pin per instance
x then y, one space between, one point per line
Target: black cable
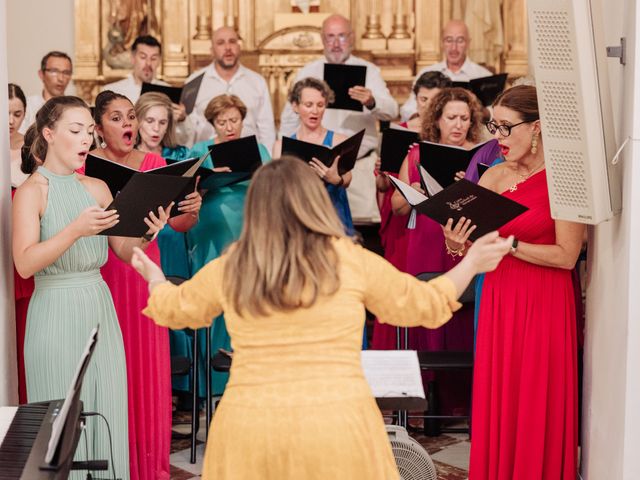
86 445
113 465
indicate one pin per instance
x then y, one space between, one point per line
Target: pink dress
393 237
426 252
146 348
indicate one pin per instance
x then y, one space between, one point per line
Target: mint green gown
220 224
69 300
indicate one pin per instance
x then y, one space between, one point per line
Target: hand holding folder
341 78
396 143
138 193
347 151
486 209
443 162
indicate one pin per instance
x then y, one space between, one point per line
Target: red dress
525 421
146 348
23 289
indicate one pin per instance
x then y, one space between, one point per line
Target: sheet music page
411 195
393 373
432 185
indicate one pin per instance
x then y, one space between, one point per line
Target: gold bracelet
459 252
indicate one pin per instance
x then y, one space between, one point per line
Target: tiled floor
449 452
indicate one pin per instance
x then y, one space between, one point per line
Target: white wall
35 27
611 410
8 369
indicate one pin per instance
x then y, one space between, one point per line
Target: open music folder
394 147
487 210
444 161
341 78
347 150
486 89
240 155
186 94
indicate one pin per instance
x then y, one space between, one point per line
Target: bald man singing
227 75
456 65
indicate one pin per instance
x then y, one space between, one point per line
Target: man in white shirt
456 65
226 75
55 72
146 54
337 39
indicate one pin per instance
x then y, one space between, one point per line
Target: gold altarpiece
400 36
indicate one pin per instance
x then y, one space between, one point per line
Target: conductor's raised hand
149 270
157 222
456 237
192 202
93 220
487 251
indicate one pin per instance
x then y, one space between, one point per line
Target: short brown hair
310 82
522 99
156 99
223 102
431 130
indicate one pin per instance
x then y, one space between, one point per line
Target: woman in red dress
525 419
146 345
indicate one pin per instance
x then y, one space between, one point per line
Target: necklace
524 178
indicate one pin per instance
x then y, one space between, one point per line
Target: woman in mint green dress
221 217
56 216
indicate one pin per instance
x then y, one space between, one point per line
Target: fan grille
412 460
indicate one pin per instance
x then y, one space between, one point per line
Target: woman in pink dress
525 416
393 232
146 345
453 118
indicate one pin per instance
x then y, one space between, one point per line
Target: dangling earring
103 144
534 144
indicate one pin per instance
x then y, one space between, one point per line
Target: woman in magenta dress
146 345
525 419
453 119
393 231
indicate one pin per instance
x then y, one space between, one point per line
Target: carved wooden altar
400 36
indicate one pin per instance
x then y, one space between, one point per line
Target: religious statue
128 19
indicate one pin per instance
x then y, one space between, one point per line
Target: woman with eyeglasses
146 345
525 415
453 118
393 228
221 217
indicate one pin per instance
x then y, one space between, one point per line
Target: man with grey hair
338 39
456 65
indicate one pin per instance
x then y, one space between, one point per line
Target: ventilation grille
568 179
562 119
553 40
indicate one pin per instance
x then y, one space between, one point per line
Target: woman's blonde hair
223 102
430 128
156 99
284 258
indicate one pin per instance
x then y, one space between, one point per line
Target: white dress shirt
129 88
468 71
251 88
348 122
34 103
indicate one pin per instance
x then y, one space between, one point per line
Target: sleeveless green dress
70 298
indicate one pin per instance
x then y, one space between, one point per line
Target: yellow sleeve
193 304
400 299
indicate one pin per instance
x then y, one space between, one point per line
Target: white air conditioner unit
569 59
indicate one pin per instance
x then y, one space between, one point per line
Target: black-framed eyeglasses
505 130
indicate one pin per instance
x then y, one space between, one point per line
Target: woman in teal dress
221 218
56 216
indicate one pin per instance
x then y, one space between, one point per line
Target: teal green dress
220 224
69 300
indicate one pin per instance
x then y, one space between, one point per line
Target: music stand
65 431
